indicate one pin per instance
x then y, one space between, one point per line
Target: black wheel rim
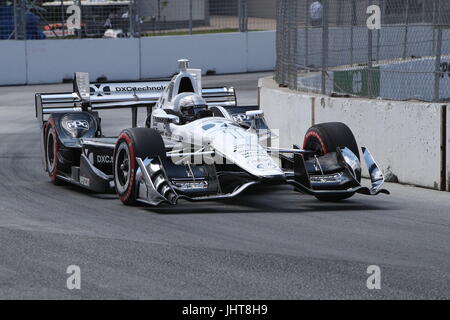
122 168
313 144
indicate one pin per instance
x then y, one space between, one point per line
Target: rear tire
132 143
326 137
52 146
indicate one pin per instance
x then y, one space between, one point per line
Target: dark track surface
275 245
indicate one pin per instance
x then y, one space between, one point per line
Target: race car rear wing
88 96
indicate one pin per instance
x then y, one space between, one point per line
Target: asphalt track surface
266 244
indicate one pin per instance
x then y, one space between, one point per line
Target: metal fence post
324 46
352 31
243 15
287 38
307 22
292 70
207 13
190 17
16 17
437 71
133 19
19 21
277 41
405 41
369 59
240 13
283 41
63 18
380 3
436 5
280 38
22 20
130 17
79 31
16 14
289 41
370 63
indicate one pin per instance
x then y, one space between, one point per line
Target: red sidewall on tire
325 138
314 134
329 136
134 143
128 197
51 127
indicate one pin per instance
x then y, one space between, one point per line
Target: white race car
197 144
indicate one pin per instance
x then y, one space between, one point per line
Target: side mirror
255 114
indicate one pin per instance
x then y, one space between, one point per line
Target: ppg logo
75 127
241 117
77 124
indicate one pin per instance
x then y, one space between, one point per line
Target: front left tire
132 143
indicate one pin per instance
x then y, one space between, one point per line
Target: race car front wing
154 186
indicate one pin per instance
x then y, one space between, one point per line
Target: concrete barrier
223 53
13 69
261 55
447 147
286 111
49 61
405 137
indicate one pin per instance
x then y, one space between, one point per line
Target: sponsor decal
100 90
266 165
138 89
102 159
240 117
90 156
76 124
85 181
191 185
73 127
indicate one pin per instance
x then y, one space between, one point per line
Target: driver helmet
190 106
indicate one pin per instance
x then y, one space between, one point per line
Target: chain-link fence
58 19
391 49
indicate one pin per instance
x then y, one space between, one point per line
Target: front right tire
326 137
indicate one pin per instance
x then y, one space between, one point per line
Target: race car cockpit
188 107
192 107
